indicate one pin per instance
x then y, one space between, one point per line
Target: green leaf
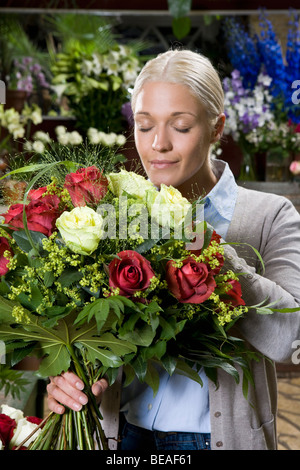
152 378
69 276
6 308
141 336
140 368
23 242
170 327
154 351
183 368
56 360
181 27
32 300
169 363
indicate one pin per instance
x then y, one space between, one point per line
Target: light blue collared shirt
180 403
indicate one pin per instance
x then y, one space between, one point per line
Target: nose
162 142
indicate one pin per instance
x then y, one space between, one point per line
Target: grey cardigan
271 224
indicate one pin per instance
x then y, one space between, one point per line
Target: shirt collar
223 194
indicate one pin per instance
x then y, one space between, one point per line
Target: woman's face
172 136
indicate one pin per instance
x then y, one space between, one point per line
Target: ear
218 128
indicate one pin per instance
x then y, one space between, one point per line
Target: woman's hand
66 390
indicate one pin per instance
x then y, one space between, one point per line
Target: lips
162 163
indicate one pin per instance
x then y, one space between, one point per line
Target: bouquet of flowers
101 270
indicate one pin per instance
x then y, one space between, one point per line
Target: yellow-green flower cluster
224 311
19 315
54 188
59 257
93 276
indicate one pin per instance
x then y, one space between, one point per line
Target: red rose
4 246
192 283
234 295
7 427
36 193
131 273
41 213
86 186
34 420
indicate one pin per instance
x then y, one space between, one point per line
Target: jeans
135 438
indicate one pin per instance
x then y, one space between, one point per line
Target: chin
167 181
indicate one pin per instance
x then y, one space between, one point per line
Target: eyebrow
176 113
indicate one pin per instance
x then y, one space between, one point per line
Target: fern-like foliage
12 381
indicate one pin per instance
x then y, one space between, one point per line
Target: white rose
168 207
13 413
130 182
81 229
23 430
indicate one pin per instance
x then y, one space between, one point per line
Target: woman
178 111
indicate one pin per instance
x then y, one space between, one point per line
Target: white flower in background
38 146
68 138
43 136
97 64
121 140
75 138
36 117
60 130
109 140
63 139
27 146
59 89
16 130
87 67
94 136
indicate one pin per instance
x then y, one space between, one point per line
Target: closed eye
145 129
183 131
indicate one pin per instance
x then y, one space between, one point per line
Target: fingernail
77 406
59 410
79 385
83 400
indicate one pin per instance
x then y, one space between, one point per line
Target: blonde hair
186 68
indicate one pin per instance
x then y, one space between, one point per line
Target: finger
63 392
53 405
73 380
99 388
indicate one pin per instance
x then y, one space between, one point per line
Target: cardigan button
217 414
219 444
